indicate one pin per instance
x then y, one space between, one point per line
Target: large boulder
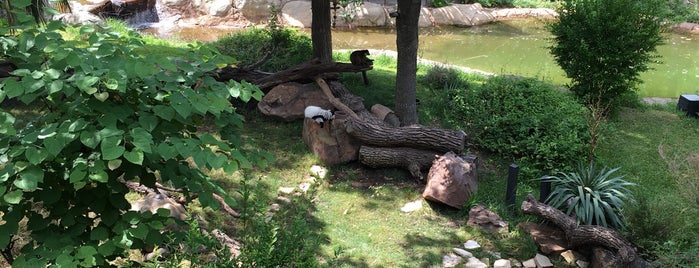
289 100
451 180
462 15
257 11
296 14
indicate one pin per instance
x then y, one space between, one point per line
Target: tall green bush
522 120
107 112
288 47
603 46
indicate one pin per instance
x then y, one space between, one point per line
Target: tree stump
330 143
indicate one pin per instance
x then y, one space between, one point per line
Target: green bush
107 113
289 47
603 46
592 195
522 120
491 3
441 77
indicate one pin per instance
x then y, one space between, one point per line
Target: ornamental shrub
592 195
603 46
522 120
288 47
107 113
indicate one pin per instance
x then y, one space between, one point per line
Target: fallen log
419 137
414 160
585 235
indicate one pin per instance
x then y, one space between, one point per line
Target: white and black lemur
319 115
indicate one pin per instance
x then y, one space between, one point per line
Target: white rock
450 260
471 244
462 253
412 206
502 263
542 261
516 263
530 263
318 171
582 264
475 263
304 186
286 190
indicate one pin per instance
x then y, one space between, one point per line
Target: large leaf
111 148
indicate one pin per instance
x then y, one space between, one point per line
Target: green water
514 47
520 47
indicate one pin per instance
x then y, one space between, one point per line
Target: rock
461 15
451 180
462 253
219 8
318 171
475 263
412 206
571 257
582 264
603 258
330 143
687 27
542 261
549 239
256 11
516 263
152 202
480 216
286 190
471 244
530 263
502 263
367 14
451 260
296 14
304 186
289 100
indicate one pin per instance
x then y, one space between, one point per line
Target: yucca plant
594 196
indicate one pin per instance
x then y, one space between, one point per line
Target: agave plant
594 196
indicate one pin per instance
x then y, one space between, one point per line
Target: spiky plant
594 196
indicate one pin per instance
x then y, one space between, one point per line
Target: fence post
544 190
511 192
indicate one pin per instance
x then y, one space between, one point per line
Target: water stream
513 47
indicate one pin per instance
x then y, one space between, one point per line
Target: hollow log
414 160
584 235
440 140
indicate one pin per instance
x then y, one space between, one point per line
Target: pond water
515 47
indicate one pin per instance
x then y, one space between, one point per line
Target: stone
451 180
462 253
451 260
471 244
582 264
304 186
296 14
286 190
331 143
475 263
289 100
256 11
412 206
516 263
318 171
462 15
530 263
572 257
542 261
550 240
366 15
502 263
153 201
219 8
480 216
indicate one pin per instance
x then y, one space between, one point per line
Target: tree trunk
406 43
440 140
414 160
321 35
584 235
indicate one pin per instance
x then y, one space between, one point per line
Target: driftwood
414 160
585 235
440 140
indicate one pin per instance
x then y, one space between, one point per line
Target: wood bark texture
584 235
414 160
440 140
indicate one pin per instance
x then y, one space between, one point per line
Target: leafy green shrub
522 120
108 113
440 3
440 77
289 47
603 46
491 3
591 194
